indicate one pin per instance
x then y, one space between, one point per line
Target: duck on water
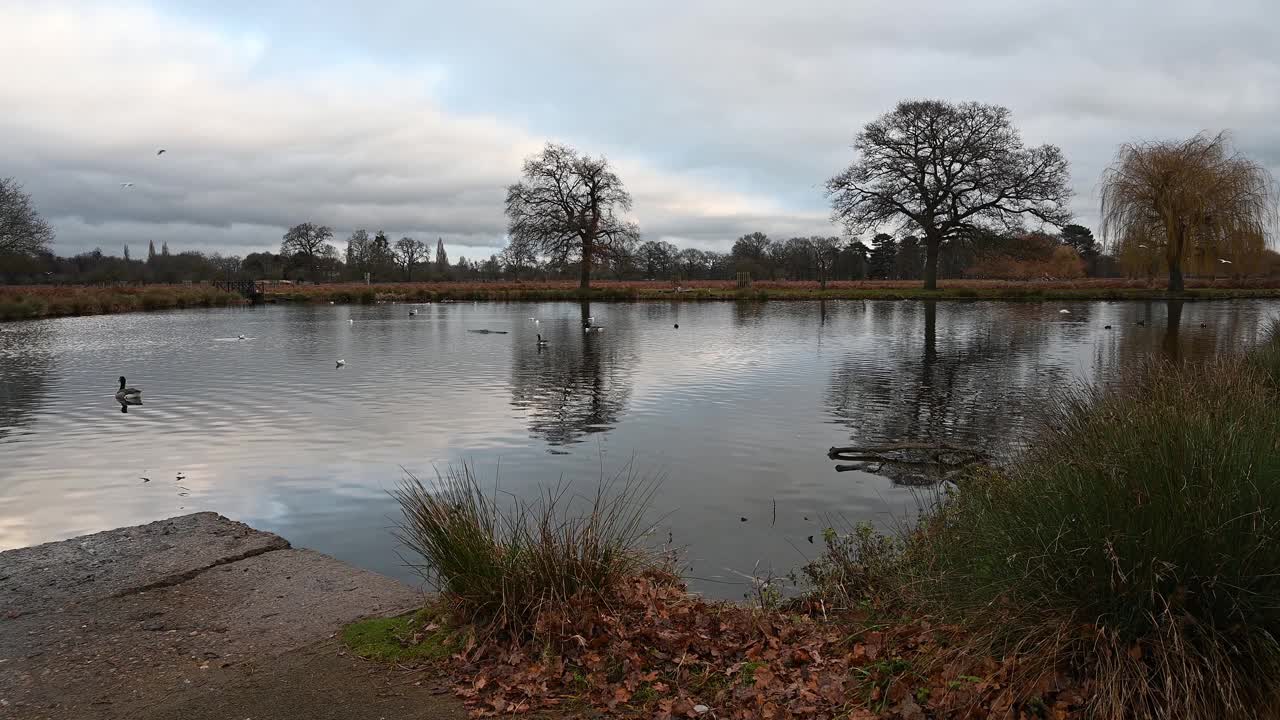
127 393
127 396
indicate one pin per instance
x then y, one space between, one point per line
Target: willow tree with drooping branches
1195 202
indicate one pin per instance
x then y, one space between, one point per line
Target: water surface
736 408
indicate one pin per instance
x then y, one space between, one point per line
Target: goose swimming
128 393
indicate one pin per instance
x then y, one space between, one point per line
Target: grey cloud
724 116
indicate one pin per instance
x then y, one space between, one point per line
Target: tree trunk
588 249
1175 276
931 263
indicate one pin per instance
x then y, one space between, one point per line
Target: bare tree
948 171
22 230
307 242
409 252
517 257
567 208
826 250
358 253
657 258
1187 199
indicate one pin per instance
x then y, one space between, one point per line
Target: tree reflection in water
579 384
975 382
24 371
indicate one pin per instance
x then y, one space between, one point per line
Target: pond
735 409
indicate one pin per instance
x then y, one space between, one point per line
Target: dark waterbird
128 393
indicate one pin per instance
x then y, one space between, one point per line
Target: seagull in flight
1224 261
126 185
159 152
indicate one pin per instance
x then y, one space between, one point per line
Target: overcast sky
722 117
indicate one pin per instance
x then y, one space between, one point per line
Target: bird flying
159 152
126 185
1224 261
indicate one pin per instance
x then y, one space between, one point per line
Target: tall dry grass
499 561
1138 543
28 302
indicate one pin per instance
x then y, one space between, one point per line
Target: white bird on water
241 336
341 362
413 312
351 320
1064 311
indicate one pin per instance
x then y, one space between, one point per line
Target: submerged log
911 453
909 463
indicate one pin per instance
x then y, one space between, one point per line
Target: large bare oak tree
308 242
567 207
410 252
1187 198
22 230
945 172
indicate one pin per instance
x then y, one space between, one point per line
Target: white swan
341 362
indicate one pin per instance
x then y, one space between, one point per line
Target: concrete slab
118 562
168 613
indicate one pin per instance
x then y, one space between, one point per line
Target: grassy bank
39 301
1127 566
29 302
1137 544
708 290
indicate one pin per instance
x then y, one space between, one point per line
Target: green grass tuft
399 639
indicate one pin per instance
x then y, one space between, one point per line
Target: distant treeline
1071 254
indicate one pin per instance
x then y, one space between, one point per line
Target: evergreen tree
882 258
126 252
909 262
442 258
151 251
164 249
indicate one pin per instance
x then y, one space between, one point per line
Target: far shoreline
34 302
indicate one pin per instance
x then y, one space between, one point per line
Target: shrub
500 564
861 567
1138 541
